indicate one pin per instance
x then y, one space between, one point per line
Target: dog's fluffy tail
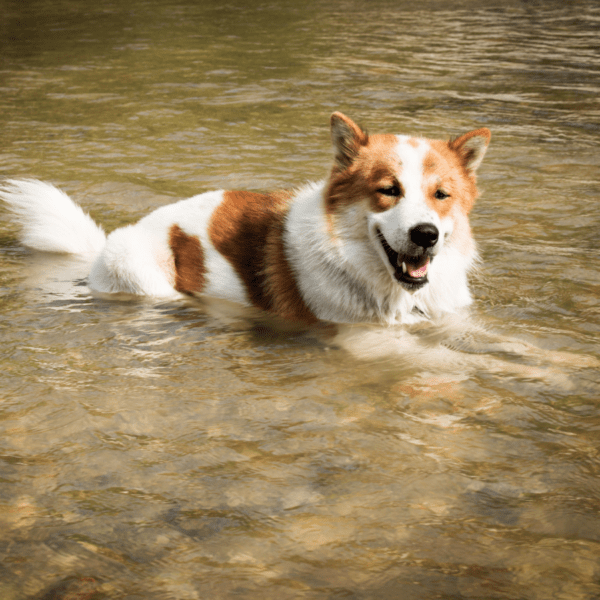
50 221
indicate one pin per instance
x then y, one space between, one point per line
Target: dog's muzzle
410 269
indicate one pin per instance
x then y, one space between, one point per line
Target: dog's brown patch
247 229
188 257
451 166
375 166
444 170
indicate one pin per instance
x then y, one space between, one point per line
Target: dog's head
408 198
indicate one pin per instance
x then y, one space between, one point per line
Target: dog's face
409 197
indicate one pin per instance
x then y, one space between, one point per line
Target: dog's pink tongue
420 272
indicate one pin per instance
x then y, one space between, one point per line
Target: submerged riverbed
192 450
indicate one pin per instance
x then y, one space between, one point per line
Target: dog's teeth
404 267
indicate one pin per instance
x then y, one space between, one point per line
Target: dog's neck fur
339 289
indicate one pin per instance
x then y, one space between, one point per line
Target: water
194 450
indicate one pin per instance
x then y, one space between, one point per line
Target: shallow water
195 450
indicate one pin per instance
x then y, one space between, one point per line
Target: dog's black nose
424 235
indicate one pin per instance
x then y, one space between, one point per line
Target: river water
181 450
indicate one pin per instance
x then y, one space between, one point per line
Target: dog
384 239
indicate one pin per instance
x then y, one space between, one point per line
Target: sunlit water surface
197 451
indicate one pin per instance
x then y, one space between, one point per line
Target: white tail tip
50 220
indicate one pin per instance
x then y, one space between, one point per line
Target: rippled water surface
193 451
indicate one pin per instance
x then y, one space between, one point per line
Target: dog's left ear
471 148
347 138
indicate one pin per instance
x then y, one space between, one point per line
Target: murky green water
194 451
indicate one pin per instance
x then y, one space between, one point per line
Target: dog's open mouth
410 271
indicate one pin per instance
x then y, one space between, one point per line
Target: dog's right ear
471 148
347 138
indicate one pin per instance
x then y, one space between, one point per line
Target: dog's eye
392 190
440 195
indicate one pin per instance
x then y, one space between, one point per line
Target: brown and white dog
385 238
